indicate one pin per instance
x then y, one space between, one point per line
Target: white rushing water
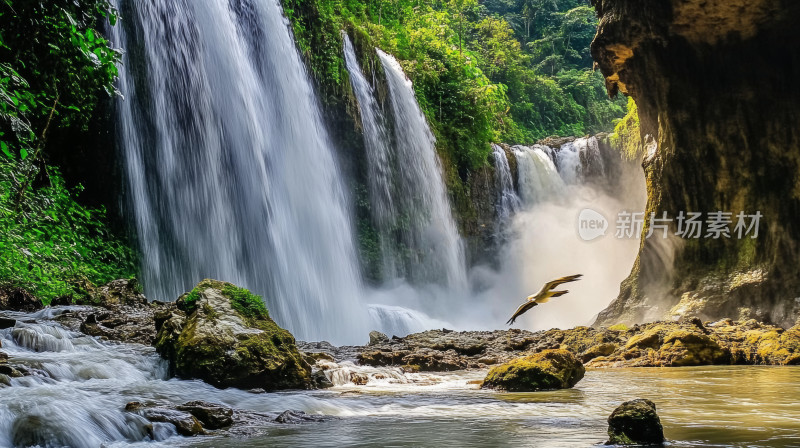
381 157
539 180
231 173
508 201
78 387
578 159
423 221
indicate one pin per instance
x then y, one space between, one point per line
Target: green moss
245 302
619 327
549 369
626 137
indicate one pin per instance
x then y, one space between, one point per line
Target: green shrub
50 244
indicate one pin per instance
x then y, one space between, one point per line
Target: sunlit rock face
715 84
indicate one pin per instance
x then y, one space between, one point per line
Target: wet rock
120 292
18 299
295 417
123 323
376 337
599 350
635 422
320 381
224 336
320 357
10 372
684 348
661 344
185 423
550 369
7 323
359 379
211 415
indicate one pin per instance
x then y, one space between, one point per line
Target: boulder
18 299
635 422
550 369
185 423
376 337
211 415
223 335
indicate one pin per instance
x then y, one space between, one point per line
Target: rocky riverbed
118 312
688 342
104 343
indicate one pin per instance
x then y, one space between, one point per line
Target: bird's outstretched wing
560 281
521 310
544 295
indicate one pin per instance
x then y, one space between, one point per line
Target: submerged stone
223 335
547 370
635 422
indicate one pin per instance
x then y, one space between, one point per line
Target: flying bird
544 295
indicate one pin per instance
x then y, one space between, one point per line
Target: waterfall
408 198
579 159
539 180
379 160
508 202
230 172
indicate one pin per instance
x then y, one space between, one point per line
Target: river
80 386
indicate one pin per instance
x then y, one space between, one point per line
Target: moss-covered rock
550 369
635 422
223 335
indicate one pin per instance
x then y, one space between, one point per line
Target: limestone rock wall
715 82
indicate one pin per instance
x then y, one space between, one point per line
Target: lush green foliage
50 244
492 71
55 70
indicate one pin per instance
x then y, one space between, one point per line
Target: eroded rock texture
716 85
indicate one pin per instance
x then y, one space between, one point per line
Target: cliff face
715 82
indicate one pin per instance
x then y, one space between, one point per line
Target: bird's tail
558 293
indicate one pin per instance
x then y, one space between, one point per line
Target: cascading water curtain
231 174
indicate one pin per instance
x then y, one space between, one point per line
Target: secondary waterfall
410 208
578 159
230 171
539 180
508 202
380 160
424 221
